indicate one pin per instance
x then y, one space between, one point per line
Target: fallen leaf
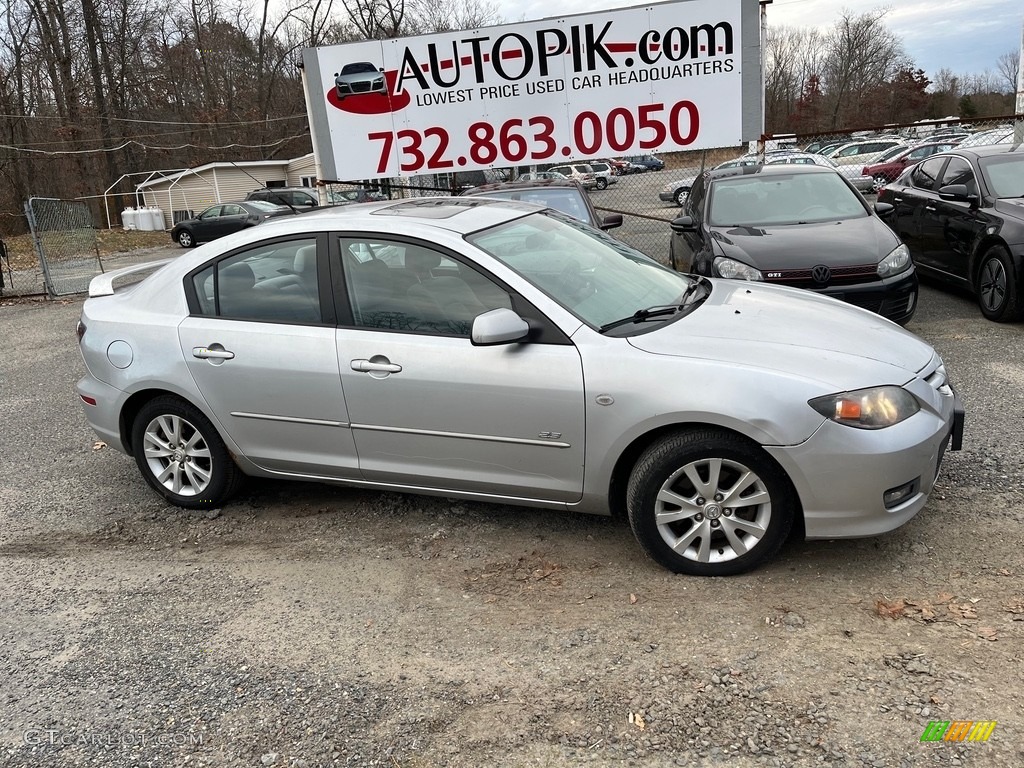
1004 572
890 610
98 445
1014 606
988 633
962 610
632 599
944 597
935 700
638 720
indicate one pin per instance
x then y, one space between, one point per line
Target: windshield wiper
643 314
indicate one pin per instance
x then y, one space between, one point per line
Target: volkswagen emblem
821 274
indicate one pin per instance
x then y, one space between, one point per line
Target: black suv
299 198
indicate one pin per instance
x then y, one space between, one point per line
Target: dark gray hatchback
801 226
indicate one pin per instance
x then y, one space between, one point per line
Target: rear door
261 350
915 202
959 224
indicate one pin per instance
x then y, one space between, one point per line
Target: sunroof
427 208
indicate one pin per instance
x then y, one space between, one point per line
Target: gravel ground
308 625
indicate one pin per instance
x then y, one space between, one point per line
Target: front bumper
894 298
842 473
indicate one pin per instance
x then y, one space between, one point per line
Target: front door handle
214 352
374 366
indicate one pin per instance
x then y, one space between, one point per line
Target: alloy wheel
177 455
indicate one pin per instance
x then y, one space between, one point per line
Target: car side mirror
683 224
499 326
884 209
957 192
611 221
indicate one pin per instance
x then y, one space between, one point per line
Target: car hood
359 77
797 246
794 332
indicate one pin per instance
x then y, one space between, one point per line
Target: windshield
891 154
358 68
1005 174
593 275
782 199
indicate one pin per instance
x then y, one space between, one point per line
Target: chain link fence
65 240
648 191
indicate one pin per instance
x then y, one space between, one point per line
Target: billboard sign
676 75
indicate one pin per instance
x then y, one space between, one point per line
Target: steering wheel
575 284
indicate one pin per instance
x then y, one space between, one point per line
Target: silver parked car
498 351
359 77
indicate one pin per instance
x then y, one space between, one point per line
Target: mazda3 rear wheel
709 503
181 455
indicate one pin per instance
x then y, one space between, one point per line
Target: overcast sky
964 35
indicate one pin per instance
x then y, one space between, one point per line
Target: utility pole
1018 124
764 39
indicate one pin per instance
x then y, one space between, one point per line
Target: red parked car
887 168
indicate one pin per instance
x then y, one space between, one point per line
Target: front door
429 409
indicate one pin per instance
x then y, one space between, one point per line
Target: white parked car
580 172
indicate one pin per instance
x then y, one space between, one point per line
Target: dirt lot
308 625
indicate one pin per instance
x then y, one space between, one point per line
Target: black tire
200 453
681 196
602 182
997 286
878 182
758 529
186 239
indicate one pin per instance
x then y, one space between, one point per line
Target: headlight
897 261
736 269
874 408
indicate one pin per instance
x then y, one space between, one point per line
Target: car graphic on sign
358 78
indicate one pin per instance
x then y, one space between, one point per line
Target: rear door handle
930 208
367 366
216 352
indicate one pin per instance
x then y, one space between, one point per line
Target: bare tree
376 19
1007 66
863 54
448 15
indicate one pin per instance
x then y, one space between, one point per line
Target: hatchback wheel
998 289
708 503
185 239
181 455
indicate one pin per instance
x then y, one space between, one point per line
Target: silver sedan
498 351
